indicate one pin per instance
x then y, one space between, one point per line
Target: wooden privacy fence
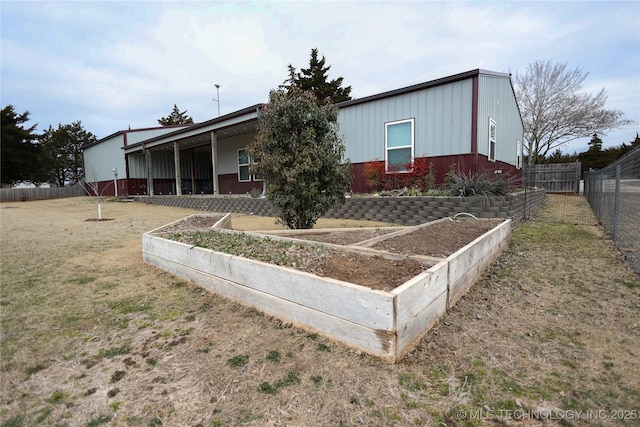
27 194
555 178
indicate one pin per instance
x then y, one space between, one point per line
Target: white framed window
492 140
399 141
243 165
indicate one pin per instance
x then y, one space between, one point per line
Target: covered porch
206 158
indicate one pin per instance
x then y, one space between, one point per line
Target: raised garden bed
377 291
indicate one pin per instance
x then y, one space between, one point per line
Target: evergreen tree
176 117
298 152
315 79
62 152
595 144
559 157
19 150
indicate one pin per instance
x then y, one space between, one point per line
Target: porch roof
199 133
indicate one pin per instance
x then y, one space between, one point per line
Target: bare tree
92 188
554 111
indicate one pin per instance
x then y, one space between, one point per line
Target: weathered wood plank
376 342
554 177
412 330
459 286
419 292
461 260
222 223
358 304
295 232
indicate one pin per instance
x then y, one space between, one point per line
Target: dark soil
438 240
371 271
343 237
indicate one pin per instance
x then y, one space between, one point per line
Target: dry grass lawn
92 336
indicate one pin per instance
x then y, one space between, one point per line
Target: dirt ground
92 336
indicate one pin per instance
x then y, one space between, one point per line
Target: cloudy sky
118 64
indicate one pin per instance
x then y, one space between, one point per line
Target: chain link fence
614 195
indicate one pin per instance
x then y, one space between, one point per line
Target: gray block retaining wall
397 210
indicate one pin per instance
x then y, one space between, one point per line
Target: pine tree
315 79
176 117
20 154
62 152
595 144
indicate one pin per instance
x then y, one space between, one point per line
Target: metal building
470 120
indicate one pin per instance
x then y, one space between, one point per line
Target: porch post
214 161
193 173
176 162
147 153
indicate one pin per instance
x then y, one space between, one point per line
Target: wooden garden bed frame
383 324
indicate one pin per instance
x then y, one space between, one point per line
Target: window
492 140
244 163
243 166
399 141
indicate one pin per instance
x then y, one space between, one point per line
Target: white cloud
111 64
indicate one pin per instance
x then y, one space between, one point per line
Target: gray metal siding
100 159
137 165
162 163
496 100
228 151
442 122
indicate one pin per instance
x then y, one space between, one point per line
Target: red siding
229 184
137 186
464 163
105 188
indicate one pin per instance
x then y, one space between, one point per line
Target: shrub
374 174
479 184
298 152
421 176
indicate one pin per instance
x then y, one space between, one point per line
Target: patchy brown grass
92 336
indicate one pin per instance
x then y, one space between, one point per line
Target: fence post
601 198
616 205
578 169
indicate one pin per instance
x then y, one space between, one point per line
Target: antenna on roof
217 98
